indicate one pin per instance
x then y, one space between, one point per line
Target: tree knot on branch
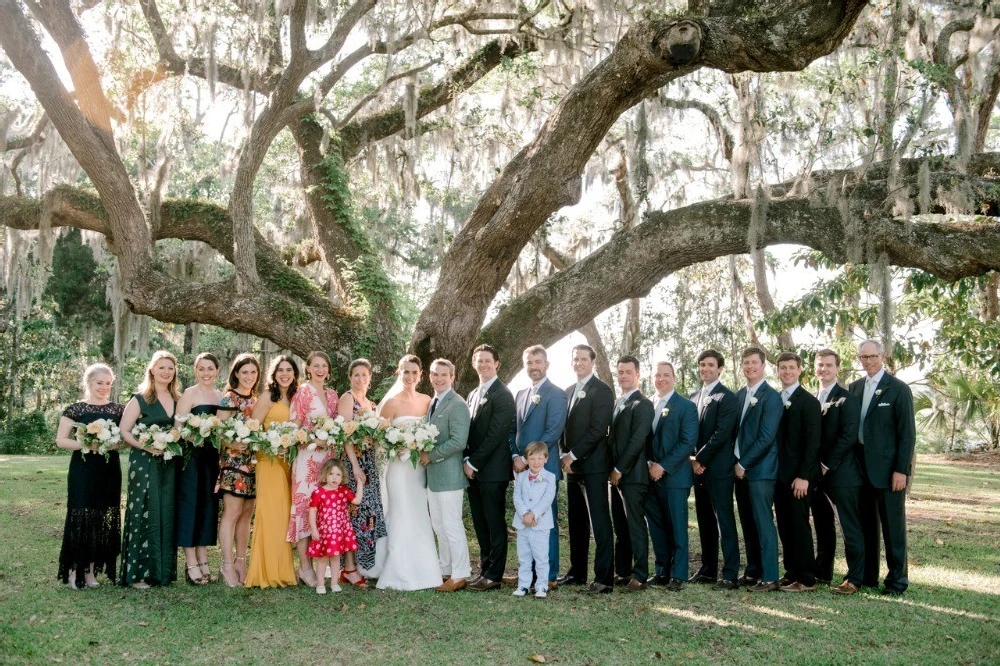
679 42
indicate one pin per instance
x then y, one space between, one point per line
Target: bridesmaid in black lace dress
197 501
92 534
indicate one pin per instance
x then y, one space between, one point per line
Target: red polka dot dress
333 522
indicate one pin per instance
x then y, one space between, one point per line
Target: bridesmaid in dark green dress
149 554
197 501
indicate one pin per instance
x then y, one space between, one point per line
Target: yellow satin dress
271 563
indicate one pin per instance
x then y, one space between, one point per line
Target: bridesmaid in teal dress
148 552
197 501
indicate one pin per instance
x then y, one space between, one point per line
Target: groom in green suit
446 480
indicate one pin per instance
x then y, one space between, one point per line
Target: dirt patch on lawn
983 459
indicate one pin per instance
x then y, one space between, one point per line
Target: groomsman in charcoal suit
587 465
487 466
541 415
631 425
887 436
798 448
675 434
756 471
841 481
713 474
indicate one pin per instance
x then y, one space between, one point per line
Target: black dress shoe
702 578
785 580
747 581
764 586
726 585
892 592
822 582
675 585
621 581
659 581
596 588
570 579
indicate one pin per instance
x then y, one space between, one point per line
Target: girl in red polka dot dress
330 523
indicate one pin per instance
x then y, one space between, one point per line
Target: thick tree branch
668 241
37 136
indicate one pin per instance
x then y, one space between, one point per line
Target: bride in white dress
411 561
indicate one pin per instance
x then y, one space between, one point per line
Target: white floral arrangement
409 440
535 399
753 401
827 405
101 436
200 428
239 431
581 394
160 438
788 403
366 432
664 412
280 439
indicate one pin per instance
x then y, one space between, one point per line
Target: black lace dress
92 532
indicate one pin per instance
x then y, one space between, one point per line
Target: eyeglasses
868 357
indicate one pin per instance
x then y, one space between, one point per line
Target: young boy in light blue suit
534 492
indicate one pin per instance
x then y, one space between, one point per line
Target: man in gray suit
446 480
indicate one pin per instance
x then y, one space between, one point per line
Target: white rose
753 401
104 435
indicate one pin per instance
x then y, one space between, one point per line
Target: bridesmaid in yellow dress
271 561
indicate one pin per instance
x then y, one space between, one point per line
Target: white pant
533 546
453 547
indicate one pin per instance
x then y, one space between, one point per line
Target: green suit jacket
451 416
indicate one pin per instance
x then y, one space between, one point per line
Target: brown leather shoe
633 585
445 579
475 579
510 580
846 588
484 584
797 587
596 588
553 585
764 586
451 585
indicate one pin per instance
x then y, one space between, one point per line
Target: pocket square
884 404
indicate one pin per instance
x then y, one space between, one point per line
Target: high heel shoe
226 577
200 580
347 581
306 581
209 578
241 576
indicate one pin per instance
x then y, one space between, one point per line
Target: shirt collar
625 396
751 390
707 389
583 382
877 378
439 398
664 398
485 386
791 389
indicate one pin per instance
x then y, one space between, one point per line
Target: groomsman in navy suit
713 475
587 464
887 435
756 471
798 449
675 434
541 415
841 481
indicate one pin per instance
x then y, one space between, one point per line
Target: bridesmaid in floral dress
237 481
369 519
312 400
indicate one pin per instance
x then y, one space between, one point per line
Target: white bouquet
409 440
101 436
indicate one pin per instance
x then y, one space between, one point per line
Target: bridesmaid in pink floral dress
312 400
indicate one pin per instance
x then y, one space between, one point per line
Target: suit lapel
879 388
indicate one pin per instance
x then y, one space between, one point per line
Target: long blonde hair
147 389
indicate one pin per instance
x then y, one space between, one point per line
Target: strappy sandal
200 580
209 578
241 578
344 579
232 572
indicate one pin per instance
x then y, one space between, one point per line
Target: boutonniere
828 405
664 412
581 394
482 401
753 401
788 403
878 392
535 399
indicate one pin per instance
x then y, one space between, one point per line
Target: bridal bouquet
100 436
160 438
366 432
327 432
409 440
199 428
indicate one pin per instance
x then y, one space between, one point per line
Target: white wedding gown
411 561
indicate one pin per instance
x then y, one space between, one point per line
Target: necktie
434 404
701 401
619 404
475 400
746 406
576 392
865 404
661 403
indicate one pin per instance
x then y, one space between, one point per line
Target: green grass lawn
949 615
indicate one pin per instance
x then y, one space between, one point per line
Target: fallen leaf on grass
537 658
658 654
144 624
949 638
938 541
344 608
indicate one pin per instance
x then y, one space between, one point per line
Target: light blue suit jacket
534 496
758 434
543 422
674 440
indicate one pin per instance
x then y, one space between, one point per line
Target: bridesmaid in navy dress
197 501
